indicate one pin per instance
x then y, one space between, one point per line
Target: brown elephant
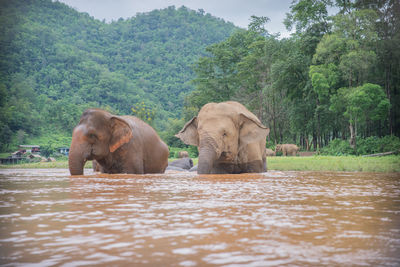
269 152
183 154
230 139
287 149
119 144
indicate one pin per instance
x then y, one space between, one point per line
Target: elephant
97 167
183 154
270 152
194 168
119 144
184 163
287 149
174 168
229 137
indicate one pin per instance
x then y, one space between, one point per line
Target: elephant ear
251 130
121 133
189 134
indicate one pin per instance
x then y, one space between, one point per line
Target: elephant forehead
96 122
220 108
80 129
216 123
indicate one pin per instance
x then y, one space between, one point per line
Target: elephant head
278 148
97 135
223 132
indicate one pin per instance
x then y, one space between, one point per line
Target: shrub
369 145
192 150
389 143
338 147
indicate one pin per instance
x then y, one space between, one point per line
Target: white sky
236 11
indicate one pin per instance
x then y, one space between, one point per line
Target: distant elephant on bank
119 144
270 152
287 149
230 139
183 154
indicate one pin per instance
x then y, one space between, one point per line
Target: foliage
337 147
172 128
335 78
365 146
192 150
323 83
56 62
143 112
47 150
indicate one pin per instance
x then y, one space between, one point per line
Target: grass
62 164
4 155
315 163
335 163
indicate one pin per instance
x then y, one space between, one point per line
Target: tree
217 78
344 58
361 105
144 112
304 14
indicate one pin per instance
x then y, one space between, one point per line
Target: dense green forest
55 62
337 77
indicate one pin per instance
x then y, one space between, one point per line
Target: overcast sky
236 11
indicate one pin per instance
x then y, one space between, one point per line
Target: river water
48 218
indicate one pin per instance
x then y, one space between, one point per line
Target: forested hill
55 62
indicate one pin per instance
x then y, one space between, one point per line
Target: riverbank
336 163
315 163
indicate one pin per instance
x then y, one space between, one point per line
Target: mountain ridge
56 61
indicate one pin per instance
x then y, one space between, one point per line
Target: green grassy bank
315 163
335 163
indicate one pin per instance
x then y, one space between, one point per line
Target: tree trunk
314 141
352 136
274 129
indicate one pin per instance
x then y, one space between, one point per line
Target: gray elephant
229 137
184 163
173 168
194 168
287 149
119 144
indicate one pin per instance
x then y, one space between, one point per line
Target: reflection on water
178 219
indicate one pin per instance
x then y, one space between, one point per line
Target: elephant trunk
76 164
207 157
77 156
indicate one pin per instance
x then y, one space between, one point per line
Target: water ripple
182 219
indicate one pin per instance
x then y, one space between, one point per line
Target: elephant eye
92 136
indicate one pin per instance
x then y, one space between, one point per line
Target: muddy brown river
48 218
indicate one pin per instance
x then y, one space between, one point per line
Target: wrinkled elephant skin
230 139
118 144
